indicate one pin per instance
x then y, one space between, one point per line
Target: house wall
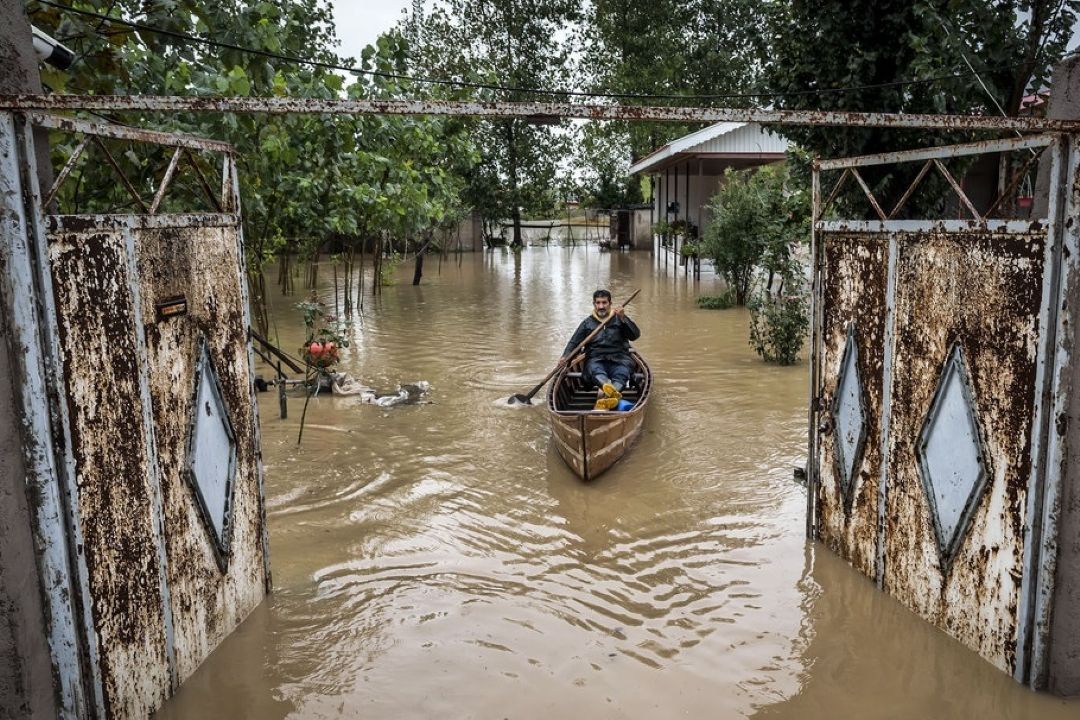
693 192
469 235
641 228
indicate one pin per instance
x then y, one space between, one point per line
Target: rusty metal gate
937 352
138 378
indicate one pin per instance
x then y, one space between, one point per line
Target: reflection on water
441 561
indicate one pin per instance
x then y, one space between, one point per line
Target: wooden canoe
591 441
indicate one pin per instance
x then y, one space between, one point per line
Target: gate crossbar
124 132
186 147
536 111
932 153
932 157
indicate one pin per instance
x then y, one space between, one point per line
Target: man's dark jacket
612 341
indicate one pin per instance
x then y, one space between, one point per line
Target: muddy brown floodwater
440 561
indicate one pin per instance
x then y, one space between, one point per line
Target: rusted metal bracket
957 189
123 178
911 189
950 151
185 146
869 195
932 157
833 193
123 132
160 195
64 172
202 180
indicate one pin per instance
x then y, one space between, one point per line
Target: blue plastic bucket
624 405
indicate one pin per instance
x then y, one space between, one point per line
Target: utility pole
21 74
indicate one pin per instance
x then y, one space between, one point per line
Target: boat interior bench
583 398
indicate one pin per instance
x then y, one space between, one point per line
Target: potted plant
689 249
326 336
663 229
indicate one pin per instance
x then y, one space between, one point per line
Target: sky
360 22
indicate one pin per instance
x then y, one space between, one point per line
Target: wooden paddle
526 399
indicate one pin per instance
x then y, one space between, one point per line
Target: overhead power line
494 86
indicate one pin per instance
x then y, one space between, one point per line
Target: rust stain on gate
955 325
99 351
203 265
164 574
855 275
983 291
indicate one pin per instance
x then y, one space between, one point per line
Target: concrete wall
469 235
641 229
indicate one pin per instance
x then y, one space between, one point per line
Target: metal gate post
886 406
29 296
815 357
1035 530
1043 541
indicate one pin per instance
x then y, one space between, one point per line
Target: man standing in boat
607 357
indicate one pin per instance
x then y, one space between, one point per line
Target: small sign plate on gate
173 307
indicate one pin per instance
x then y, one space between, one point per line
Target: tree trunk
313 270
418 272
515 210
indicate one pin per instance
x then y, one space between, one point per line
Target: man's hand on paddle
562 361
620 311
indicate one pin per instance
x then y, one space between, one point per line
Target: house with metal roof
688 171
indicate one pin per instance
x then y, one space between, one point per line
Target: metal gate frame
1046 475
25 278
1053 356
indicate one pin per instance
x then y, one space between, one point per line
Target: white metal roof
725 137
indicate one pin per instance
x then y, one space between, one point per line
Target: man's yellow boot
612 393
606 403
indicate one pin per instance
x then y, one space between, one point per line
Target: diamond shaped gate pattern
212 456
952 458
849 417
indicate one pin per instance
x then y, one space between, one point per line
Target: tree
506 49
760 218
304 179
666 52
746 220
877 45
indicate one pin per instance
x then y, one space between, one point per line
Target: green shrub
779 320
723 301
388 268
758 215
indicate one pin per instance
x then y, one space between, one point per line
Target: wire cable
493 86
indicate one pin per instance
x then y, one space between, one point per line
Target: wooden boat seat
585 399
635 379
